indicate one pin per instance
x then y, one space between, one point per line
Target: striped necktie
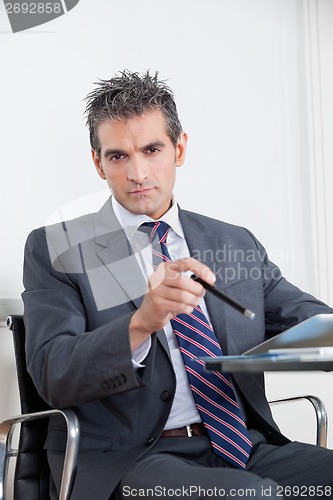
212 391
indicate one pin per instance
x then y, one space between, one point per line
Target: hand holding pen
222 296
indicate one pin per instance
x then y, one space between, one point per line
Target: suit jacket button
150 441
165 395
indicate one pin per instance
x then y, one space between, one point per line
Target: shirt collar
131 222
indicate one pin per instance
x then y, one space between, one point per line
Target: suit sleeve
70 363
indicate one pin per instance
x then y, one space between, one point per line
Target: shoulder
78 229
58 245
72 230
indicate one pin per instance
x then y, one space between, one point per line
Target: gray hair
128 95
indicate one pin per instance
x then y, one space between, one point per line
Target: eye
152 150
116 157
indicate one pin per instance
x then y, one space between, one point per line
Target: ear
98 164
181 149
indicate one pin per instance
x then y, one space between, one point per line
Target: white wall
318 42
237 69
241 71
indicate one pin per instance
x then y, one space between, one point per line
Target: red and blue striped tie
213 391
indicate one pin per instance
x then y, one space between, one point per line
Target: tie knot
159 228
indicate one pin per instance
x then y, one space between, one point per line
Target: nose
137 170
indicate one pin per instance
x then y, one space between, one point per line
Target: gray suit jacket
82 284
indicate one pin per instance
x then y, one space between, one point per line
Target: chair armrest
321 415
72 446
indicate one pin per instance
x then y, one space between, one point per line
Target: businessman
115 324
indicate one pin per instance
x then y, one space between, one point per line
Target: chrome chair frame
7 428
320 412
29 452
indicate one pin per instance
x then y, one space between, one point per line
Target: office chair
31 480
32 476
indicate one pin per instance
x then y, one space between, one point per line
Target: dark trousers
188 468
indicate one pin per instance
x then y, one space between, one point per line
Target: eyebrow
156 144
109 152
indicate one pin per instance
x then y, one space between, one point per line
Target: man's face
139 162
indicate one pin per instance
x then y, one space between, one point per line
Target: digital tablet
316 331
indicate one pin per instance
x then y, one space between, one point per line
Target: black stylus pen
212 289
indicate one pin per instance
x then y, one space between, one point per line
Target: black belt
187 431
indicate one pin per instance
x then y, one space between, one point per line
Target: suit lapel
117 256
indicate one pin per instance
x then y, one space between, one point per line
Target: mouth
141 192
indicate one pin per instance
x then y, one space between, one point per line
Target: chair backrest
31 480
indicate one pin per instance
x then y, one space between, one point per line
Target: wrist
138 333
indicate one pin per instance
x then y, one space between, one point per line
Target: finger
193 265
182 296
174 280
186 287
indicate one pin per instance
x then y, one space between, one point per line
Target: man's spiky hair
128 95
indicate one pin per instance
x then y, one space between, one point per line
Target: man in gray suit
100 334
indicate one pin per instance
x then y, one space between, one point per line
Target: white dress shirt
183 411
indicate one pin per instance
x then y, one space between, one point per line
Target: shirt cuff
140 353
